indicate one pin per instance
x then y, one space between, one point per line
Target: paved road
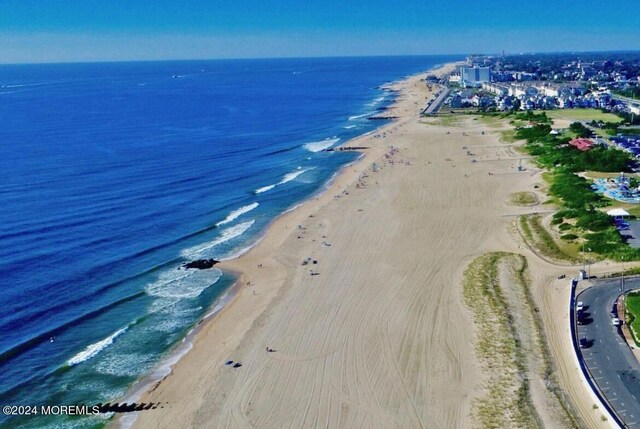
611 363
433 108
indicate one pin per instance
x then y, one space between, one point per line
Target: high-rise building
474 76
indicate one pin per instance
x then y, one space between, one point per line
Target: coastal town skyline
94 31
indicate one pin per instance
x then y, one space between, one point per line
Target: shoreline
237 265
142 388
350 310
376 334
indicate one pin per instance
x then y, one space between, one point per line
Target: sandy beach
358 294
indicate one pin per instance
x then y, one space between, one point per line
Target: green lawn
633 311
583 115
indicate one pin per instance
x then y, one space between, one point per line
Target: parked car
615 321
584 343
579 306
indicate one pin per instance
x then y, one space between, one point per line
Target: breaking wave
237 213
287 178
95 348
321 145
226 235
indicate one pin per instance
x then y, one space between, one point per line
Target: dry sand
380 338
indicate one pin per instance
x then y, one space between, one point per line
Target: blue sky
90 30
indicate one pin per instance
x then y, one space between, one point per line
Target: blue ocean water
114 174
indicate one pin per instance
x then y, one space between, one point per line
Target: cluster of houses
537 95
487 82
545 95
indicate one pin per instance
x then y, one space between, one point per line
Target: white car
579 306
615 321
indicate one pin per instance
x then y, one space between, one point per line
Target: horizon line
107 61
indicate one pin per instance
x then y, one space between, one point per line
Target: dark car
584 343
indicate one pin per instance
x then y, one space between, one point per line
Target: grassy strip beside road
632 305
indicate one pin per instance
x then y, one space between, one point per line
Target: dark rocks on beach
126 408
201 264
381 118
344 148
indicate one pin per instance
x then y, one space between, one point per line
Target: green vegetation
538 238
630 92
574 195
580 204
580 130
580 221
632 305
508 136
442 120
626 131
515 117
552 151
569 237
492 121
583 115
507 402
547 371
524 199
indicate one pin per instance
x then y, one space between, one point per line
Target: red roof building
582 144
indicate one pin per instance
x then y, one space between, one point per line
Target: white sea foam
95 348
183 284
353 118
321 145
348 127
287 178
265 189
163 370
226 235
237 213
126 364
376 101
291 176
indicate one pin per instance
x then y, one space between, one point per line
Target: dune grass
450 120
507 402
538 238
492 121
508 136
524 199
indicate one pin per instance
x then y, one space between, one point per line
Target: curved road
611 363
